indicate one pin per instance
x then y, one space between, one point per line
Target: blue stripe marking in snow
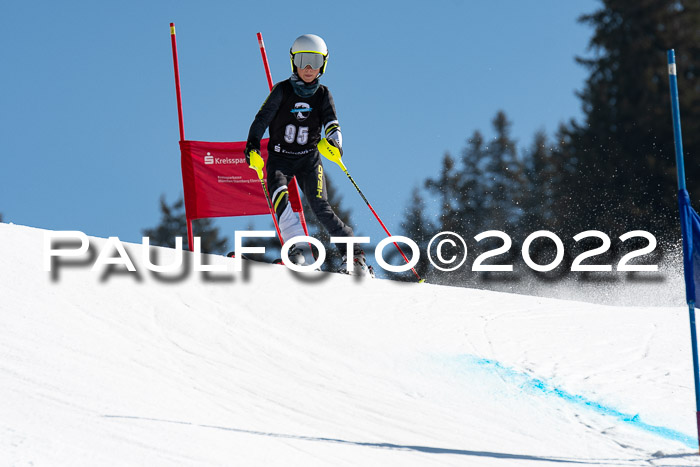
538 385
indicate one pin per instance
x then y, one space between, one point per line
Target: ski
232 254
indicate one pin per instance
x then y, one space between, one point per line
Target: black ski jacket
295 122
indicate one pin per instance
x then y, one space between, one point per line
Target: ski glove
249 147
254 159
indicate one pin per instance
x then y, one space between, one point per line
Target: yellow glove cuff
257 163
330 152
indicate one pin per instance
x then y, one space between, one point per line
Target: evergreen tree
416 227
471 186
212 241
623 151
487 190
173 224
540 179
446 187
503 178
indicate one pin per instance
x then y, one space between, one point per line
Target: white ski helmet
309 49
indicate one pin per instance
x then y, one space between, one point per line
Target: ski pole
256 163
332 153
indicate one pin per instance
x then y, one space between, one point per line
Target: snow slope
271 368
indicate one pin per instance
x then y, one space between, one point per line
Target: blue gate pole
676 115
680 167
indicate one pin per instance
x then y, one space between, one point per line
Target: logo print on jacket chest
301 111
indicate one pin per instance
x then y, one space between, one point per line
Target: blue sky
89 119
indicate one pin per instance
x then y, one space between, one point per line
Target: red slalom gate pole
267 195
177 82
176 65
266 64
264 59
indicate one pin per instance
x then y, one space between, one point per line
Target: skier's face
308 74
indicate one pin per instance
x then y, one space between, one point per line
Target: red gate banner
218 182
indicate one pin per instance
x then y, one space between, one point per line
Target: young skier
295 112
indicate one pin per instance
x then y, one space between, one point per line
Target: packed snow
271 367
